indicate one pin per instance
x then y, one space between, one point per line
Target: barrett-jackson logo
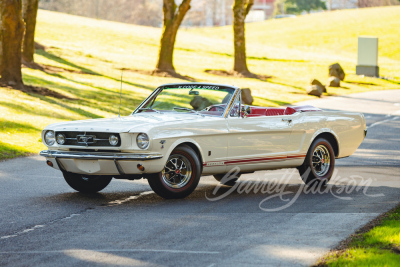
86 139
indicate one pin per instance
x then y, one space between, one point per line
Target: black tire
230 182
318 173
86 183
173 183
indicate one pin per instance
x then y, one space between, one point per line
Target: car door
256 143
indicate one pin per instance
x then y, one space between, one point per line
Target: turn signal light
140 167
49 163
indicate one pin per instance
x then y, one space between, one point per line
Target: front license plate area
88 166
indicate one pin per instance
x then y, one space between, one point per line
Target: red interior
263 111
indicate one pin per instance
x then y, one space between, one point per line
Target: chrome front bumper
98 155
103 163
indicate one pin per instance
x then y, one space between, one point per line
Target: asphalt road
45 223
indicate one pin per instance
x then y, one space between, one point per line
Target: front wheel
319 163
180 176
86 183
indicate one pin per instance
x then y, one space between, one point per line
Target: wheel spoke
321 160
183 164
177 172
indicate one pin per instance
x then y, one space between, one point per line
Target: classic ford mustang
183 131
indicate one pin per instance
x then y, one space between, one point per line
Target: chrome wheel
177 171
321 160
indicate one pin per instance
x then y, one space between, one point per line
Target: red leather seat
258 111
263 111
275 111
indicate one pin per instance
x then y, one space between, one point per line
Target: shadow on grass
7 125
99 99
277 102
361 83
392 81
248 57
161 73
285 84
235 74
60 60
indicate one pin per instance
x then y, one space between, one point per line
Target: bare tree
240 10
173 16
373 3
30 8
12 32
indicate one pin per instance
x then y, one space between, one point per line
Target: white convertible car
183 131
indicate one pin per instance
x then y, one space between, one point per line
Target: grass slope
377 247
92 52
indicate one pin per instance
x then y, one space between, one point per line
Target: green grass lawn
92 52
377 247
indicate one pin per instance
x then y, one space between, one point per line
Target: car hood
134 123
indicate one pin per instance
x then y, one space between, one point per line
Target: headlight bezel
143 141
49 141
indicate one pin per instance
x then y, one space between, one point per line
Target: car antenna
120 96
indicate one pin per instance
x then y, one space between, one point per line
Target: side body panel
257 143
347 128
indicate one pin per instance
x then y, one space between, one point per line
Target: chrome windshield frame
170 85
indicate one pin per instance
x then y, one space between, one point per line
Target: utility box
367 62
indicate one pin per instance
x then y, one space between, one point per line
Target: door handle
287 120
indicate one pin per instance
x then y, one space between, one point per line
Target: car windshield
199 99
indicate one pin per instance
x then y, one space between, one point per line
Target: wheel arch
331 137
190 143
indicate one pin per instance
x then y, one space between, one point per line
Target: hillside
83 58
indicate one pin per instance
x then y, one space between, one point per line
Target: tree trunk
12 32
165 58
172 21
240 10
29 13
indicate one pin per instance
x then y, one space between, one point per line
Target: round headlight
49 138
142 140
60 139
113 140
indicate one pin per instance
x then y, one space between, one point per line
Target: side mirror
246 110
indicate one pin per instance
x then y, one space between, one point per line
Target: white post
367 60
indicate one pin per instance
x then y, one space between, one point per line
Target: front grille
88 138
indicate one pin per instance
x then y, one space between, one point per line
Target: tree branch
249 4
169 8
182 10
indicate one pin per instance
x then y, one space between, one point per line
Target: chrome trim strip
156 91
233 99
98 155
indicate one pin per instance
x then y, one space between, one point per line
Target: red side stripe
254 160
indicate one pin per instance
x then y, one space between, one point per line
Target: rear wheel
319 163
230 181
180 176
86 183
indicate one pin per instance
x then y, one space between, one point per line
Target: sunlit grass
93 52
378 247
